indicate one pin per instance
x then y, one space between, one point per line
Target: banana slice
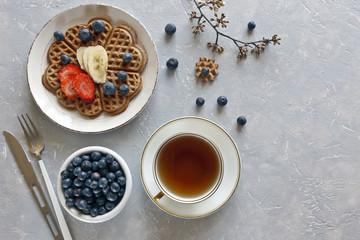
97 63
85 56
80 55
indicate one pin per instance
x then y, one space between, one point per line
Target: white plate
37 62
228 149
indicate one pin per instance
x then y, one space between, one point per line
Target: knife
32 182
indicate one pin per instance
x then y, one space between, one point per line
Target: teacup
188 168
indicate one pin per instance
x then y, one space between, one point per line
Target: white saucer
228 149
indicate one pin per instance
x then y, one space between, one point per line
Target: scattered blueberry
109 88
251 25
222 101
200 101
98 26
124 89
122 75
172 63
205 71
127 57
58 35
93 183
85 35
170 28
241 120
65 59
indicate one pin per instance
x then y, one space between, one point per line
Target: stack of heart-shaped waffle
117 41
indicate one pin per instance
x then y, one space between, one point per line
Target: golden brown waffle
116 41
208 63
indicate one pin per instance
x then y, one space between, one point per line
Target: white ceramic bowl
118 208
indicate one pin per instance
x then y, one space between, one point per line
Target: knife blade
32 182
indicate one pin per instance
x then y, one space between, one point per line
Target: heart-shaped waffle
117 41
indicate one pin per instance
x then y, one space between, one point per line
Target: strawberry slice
69 70
85 87
67 87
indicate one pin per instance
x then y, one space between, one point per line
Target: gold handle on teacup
159 196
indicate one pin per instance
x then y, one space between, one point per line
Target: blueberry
87 192
127 57
84 35
94 184
106 190
121 192
114 166
81 203
65 59
172 63
110 176
100 201
205 71
98 26
102 210
121 180
97 191
66 183
70 202
124 89
82 176
86 165
77 170
95 176
103 172
70 167
241 120
200 101
64 174
222 101
251 25
103 182
102 163
122 75
58 35
109 159
115 187
77 192
170 28
88 182
109 88
95 166
111 196
78 182
119 173
85 157
90 199
69 192
94 212
77 161
95 156
86 210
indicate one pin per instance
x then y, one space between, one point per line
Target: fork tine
38 136
28 139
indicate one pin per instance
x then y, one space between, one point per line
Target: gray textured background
300 166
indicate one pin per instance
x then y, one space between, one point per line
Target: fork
36 144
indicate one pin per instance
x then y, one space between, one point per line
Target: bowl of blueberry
94 184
